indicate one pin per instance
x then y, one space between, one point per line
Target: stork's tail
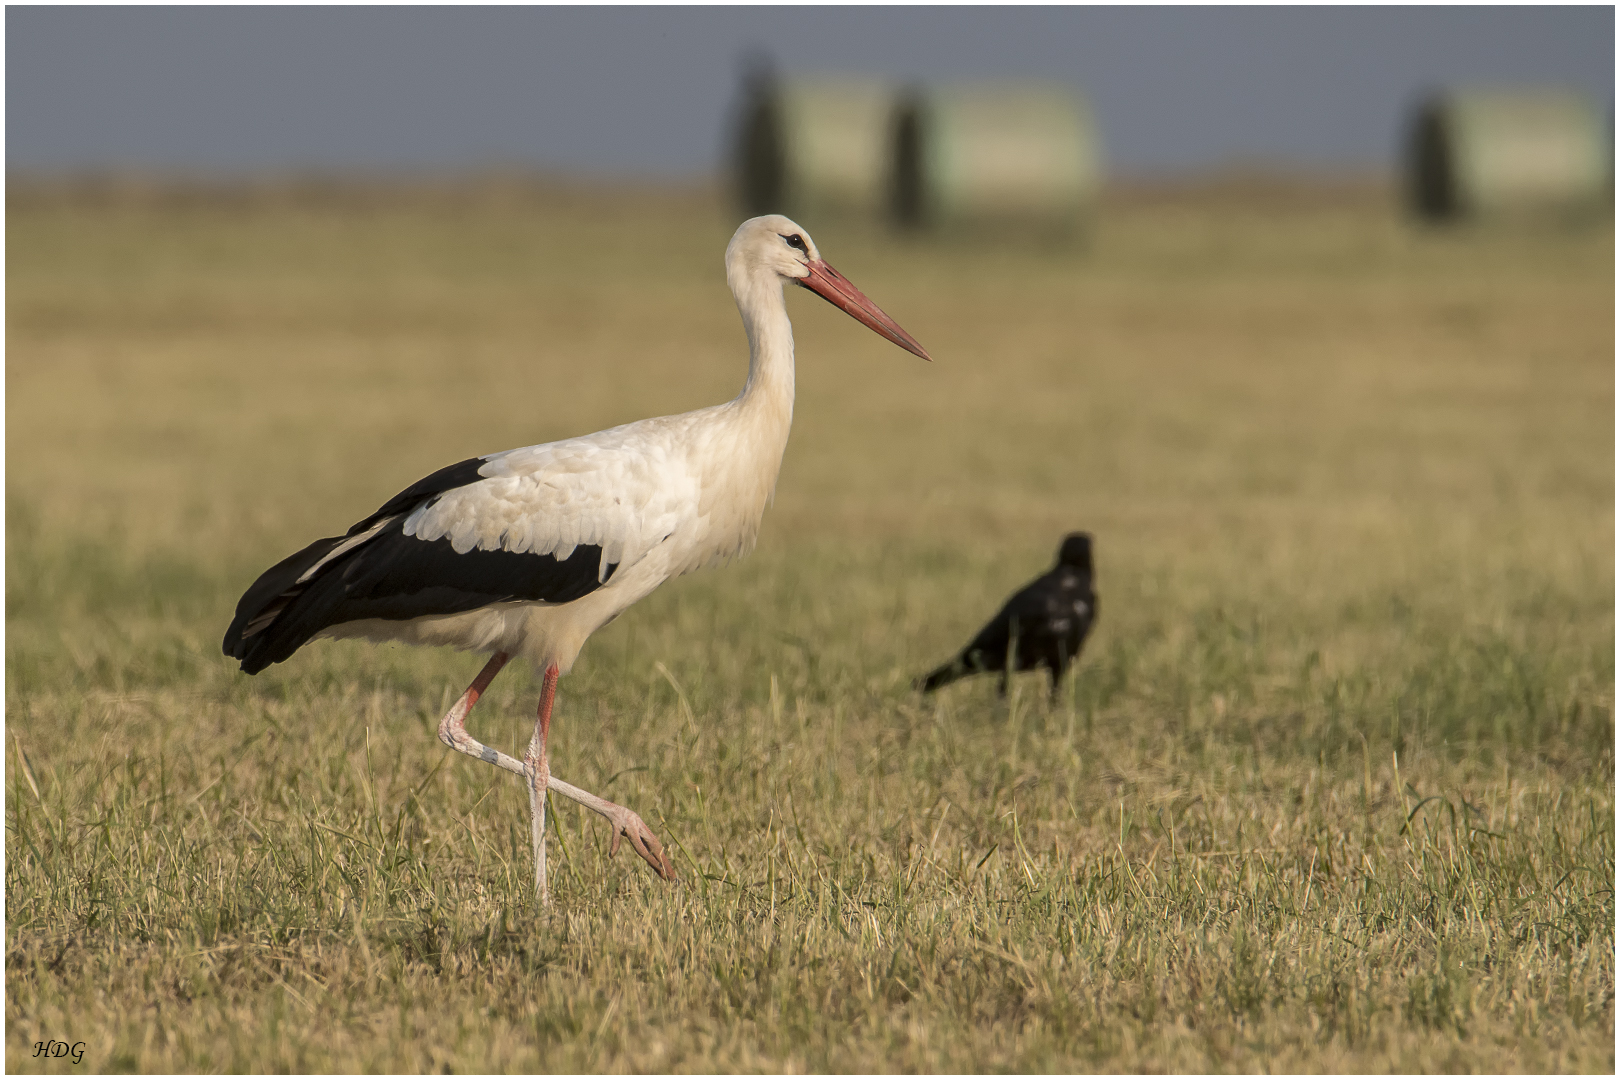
259 636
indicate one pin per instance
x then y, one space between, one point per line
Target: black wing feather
398 577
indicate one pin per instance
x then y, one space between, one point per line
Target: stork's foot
628 824
625 822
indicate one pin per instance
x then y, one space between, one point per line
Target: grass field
1333 788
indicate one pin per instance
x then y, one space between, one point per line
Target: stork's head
772 248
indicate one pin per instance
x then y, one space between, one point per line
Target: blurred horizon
647 96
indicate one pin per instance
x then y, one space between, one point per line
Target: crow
1049 619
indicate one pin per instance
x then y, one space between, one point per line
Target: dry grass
1333 789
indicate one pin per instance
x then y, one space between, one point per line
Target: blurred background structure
812 148
965 159
1023 159
1481 153
995 158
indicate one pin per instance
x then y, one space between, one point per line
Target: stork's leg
453 733
537 771
453 728
625 822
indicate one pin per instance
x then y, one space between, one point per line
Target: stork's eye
796 241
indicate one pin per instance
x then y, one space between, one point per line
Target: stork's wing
555 498
548 523
289 571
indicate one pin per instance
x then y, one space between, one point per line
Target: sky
650 93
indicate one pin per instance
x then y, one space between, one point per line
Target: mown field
1333 788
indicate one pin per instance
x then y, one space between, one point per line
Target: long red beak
839 291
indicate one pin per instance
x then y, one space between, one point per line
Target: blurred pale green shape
998 156
1478 153
817 148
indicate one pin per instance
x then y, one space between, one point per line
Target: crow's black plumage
1049 619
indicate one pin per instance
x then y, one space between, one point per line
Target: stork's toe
628 823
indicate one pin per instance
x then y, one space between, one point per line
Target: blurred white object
1475 153
815 148
997 158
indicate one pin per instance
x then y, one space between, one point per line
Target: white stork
528 552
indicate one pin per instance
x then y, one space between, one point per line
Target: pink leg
537 770
626 823
453 728
453 733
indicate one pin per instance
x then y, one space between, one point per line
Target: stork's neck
769 389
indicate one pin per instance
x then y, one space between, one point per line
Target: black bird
1049 618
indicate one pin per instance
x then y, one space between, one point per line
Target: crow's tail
942 675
